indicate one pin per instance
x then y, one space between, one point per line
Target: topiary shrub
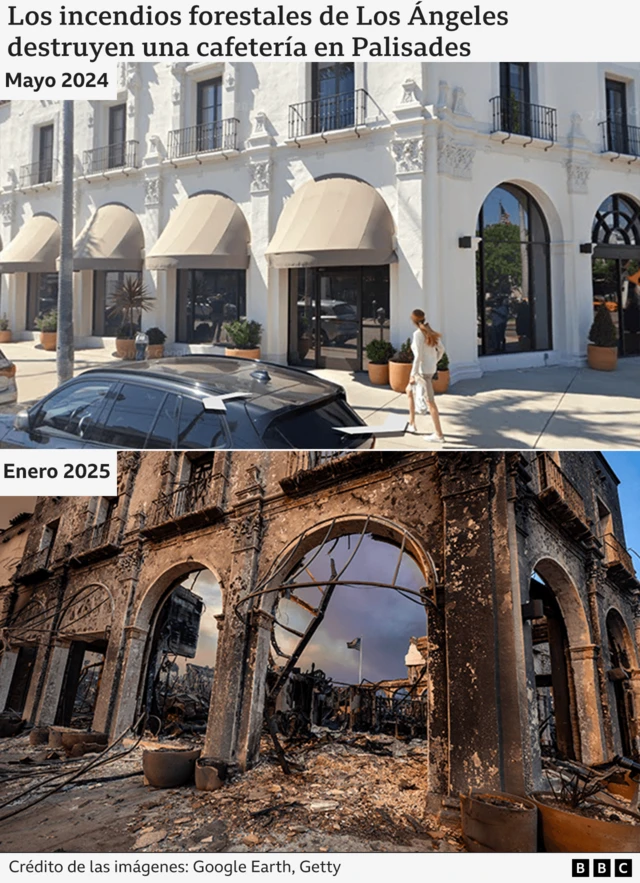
379 351
603 331
244 334
404 354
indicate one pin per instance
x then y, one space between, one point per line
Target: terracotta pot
69 738
126 349
39 736
48 340
399 374
169 767
509 824
623 786
378 374
442 383
210 773
602 358
242 354
567 831
155 351
5 337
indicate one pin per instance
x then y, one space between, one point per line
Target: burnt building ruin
528 596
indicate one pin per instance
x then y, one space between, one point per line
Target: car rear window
312 428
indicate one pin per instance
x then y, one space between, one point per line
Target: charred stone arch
623 661
141 634
580 661
258 607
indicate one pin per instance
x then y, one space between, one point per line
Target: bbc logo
581 867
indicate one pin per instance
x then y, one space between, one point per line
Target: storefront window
105 285
207 299
42 296
512 270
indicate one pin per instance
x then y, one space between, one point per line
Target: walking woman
427 349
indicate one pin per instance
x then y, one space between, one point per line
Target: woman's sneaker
434 437
411 429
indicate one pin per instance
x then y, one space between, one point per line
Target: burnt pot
507 824
169 767
211 773
566 831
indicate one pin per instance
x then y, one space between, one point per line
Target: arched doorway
557 723
616 267
181 655
512 274
622 661
348 600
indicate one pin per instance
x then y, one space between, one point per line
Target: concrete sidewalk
547 408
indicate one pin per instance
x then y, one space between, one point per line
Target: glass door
338 311
616 284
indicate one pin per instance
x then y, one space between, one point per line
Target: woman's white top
425 358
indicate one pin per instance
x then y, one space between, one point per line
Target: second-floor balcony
219 136
188 507
96 542
521 118
36 173
111 158
619 138
619 563
329 113
561 498
35 567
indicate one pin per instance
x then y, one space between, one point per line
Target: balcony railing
562 497
204 138
191 505
616 555
618 138
36 173
523 118
112 157
97 541
329 113
34 567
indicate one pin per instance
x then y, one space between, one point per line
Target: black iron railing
204 138
618 138
114 156
36 173
332 112
523 118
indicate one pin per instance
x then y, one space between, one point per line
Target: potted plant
47 325
378 353
441 380
157 337
129 301
572 819
400 367
602 349
5 331
245 336
498 822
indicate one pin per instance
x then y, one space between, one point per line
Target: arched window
617 222
512 271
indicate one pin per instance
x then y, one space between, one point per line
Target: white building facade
328 201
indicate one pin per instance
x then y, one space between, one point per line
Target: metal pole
360 664
64 353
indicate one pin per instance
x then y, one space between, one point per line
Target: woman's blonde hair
431 337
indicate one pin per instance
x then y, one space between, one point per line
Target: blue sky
626 465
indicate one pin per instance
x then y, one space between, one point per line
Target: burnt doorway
333 314
21 680
619 675
181 656
81 684
556 717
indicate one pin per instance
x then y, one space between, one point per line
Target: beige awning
206 232
335 222
112 240
35 249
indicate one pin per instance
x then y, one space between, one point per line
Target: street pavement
545 408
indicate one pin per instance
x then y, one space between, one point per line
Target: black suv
189 402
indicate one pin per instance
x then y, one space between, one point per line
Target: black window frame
117 146
34 298
617 123
46 142
185 298
336 110
515 109
209 131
